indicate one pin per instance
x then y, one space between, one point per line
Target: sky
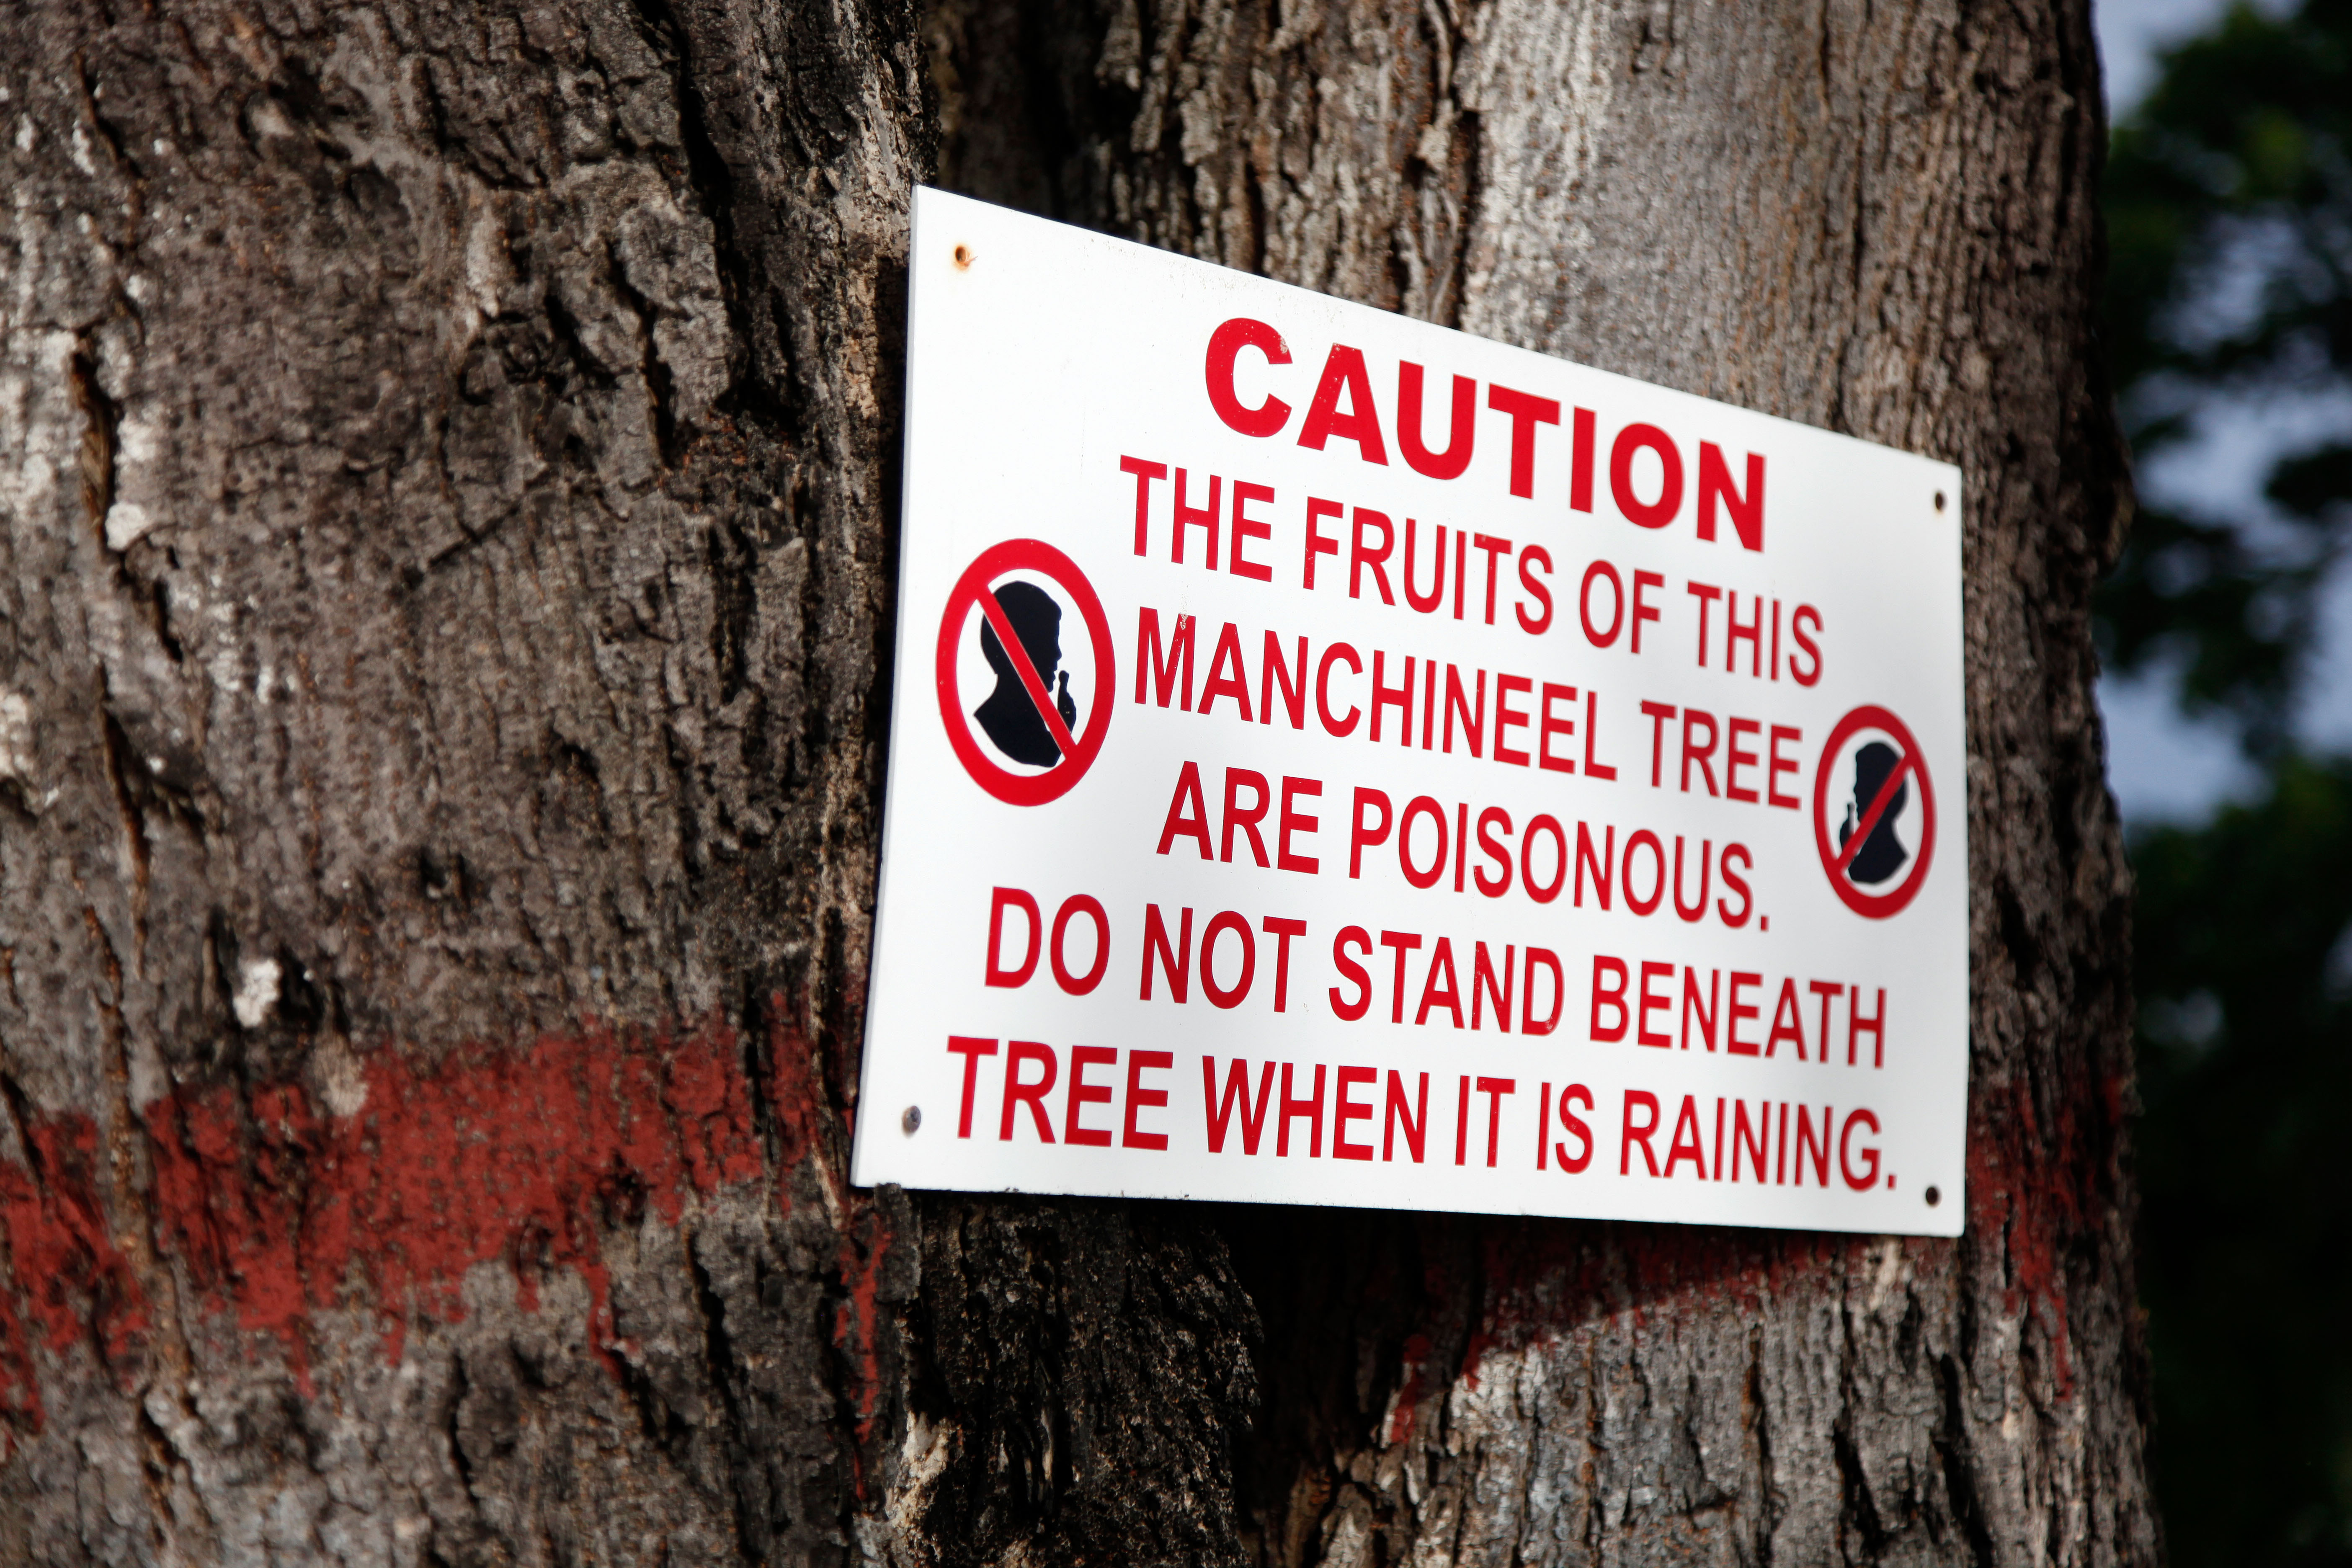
2131 32
2163 766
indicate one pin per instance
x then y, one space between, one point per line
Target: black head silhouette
1008 717
1882 854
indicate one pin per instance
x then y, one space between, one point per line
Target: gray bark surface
447 454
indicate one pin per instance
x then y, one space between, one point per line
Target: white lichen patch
336 1074
257 991
126 524
15 738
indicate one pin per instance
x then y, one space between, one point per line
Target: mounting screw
1934 1195
914 1119
963 258
1939 495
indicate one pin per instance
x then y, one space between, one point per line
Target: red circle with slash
1836 858
976 589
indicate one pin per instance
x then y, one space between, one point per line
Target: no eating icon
1873 871
1024 722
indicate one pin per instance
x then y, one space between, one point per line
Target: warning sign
1376 765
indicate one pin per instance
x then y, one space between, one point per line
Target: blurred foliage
2228 203
2229 207
2246 1240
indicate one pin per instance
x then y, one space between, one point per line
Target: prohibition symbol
1016 740
1869 864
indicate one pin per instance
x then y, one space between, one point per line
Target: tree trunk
449 470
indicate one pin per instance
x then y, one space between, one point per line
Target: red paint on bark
1532 1281
515 1156
855 1327
794 1094
1417 1350
2021 1190
70 1279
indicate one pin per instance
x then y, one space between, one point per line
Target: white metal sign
1337 760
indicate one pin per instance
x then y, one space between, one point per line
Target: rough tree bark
446 464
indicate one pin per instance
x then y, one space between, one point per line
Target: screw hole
913 1118
963 258
1939 495
1934 1197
